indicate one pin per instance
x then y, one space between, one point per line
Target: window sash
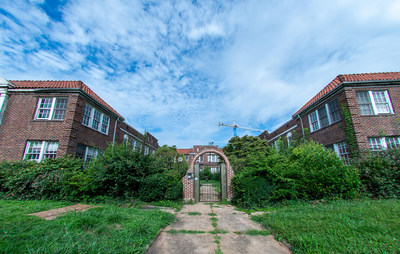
96 120
38 150
342 151
323 116
313 121
374 102
334 111
51 108
393 142
381 102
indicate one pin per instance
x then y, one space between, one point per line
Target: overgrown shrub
52 179
380 173
306 172
119 172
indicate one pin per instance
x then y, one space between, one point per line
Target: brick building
45 119
210 160
373 103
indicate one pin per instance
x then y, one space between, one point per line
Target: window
51 108
213 158
325 115
126 138
374 102
289 137
200 159
384 143
342 151
314 121
95 119
86 153
39 150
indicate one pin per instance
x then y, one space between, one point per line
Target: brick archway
189 183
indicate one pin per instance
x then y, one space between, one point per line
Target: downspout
301 121
115 130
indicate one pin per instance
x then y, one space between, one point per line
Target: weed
218 231
194 213
253 232
214 219
183 231
212 214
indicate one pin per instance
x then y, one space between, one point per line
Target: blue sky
177 68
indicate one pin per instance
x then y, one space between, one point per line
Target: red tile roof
183 151
351 78
33 84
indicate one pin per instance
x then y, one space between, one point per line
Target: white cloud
180 67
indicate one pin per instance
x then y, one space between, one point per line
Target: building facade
210 160
48 119
367 105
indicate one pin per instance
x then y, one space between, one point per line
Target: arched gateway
191 181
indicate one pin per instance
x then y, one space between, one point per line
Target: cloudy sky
177 68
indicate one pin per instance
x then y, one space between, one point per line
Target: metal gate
209 190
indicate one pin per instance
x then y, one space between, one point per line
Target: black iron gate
206 190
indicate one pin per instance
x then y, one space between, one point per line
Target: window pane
393 142
382 105
87 115
323 116
59 108
80 151
314 121
375 144
33 151
343 151
104 124
91 154
44 108
96 120
365 103
334 110
51 150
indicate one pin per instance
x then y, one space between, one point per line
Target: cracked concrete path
204 228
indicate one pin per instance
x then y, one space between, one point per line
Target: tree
239 148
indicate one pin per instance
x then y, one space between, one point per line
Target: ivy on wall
349 131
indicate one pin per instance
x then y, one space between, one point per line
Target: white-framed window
87 153
289 138
383 143
374 102
200 159
39 150
342 150
325 115
126 138
146 150
213 158
51 108
96 120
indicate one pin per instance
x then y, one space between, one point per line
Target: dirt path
202 228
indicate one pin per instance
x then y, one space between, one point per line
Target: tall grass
105 229
361 226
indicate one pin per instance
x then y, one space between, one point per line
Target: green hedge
118 172
307 172
380 173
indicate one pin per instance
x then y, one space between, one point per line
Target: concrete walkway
191 233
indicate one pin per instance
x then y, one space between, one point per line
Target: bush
380 173
306 172
52 179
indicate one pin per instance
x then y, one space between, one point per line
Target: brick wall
19 125
375 125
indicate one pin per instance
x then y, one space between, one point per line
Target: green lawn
361 226
106 229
